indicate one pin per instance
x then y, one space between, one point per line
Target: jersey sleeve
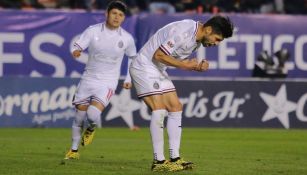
174 40
84 40
130 51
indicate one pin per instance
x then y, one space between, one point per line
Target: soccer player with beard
170 46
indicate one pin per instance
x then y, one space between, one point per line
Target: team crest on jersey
120 44
170 44
156 85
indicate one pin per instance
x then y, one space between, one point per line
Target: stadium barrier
256 103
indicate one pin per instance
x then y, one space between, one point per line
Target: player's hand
202 66
76 53
127 85
190 64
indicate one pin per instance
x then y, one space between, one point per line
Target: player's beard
206 43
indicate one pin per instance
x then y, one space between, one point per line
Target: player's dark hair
119 5
221 25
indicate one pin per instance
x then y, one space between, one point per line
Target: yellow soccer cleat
72 155
87 137
185 164
165 166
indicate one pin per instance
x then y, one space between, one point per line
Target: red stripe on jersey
165 51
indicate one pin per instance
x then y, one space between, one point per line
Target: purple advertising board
46 102
37 43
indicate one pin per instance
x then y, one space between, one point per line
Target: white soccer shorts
89 90
150 81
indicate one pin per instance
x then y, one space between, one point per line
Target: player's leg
174 118
77 128
81 101
146 82
155 103
174 127
99 100
94 111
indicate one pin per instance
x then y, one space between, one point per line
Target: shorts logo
170 44
156 85
120 44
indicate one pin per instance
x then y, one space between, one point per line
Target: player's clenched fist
202 66
76 53
190 64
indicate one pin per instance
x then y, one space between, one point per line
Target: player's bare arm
187 64
76 53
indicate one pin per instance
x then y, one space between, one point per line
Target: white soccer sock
77 127
174 133
156 131
93 116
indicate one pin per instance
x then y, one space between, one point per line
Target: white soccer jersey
106 50
177 39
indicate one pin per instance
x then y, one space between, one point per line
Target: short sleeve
84 40
130 51
174 40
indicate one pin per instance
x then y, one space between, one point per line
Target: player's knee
93 114
78 122
79 118
175 107
154 102
157 106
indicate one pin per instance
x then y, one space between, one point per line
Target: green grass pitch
120 151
